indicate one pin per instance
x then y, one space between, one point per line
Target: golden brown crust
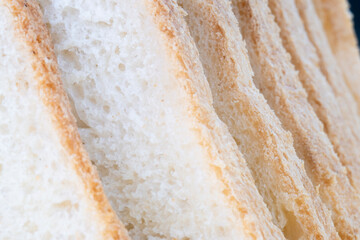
241 191
31 30
278 81
337 23
233 89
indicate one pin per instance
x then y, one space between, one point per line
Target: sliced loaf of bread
279 174
48 187
169 166
337 193
337 22
344 132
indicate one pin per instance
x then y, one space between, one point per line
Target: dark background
355 9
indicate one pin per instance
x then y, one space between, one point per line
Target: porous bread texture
168 164
277 79
48 187
268 148
338 25
338 193
344 133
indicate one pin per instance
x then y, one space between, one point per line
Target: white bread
49 189
277 79
337 22
338 193
169 166
279 174
346 136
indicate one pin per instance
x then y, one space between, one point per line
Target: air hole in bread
292 229
117 88
103 24
122 67
65 205
93 100
79 91
106 109
129 226
80 123
70 12
103 170
71 58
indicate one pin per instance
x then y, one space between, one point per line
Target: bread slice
279 82
337 23
169 166
328 105
334 105
49 189
328 63
278 172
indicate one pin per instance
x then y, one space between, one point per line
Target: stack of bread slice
335 107
177 119
337 24
267 147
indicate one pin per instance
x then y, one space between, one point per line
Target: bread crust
251 118
341 198
278 81
337 22
231 169
343 122
31 30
